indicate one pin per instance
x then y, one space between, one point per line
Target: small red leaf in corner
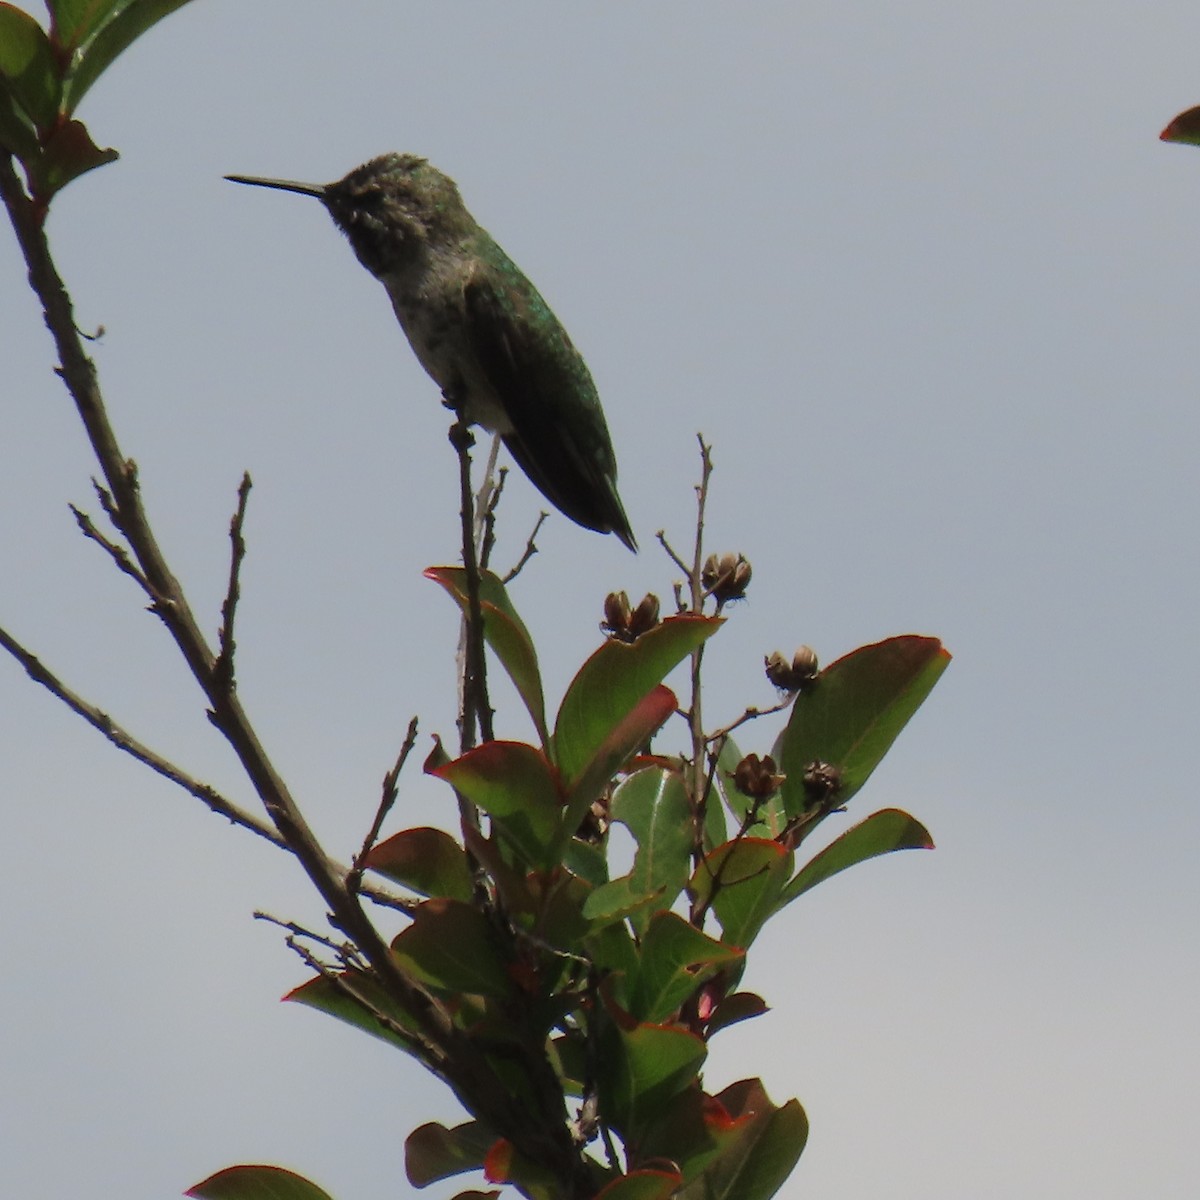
498 1162
1184 128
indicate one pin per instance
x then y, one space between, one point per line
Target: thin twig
346 951
386 800
223 667
530 548
662 541
123 740
340 980
490 487
751 714
695 717
117 553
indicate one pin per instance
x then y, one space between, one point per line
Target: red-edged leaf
675 959
737 1006
337 999
854 712
426 860
880 833
256 1183
450 947
643 1185
613 680
505 632
1184 128
763 1147
433 1152
68 153
641 1068
744 879
518 788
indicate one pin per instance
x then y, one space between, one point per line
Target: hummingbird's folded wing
559 436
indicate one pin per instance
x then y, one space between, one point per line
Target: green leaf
653 805
450 947
880 833
256 1183
675 959
115 36
616 900
620 744
337 1000
433 1152
27 66
72 22
641 1068
855 711
766 1143
614 953
613 680
1184 128
426 860
518 788
642 1185
17 133
744 879
505 632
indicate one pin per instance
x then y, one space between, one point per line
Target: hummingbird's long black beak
283 185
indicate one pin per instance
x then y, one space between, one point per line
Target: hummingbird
479 328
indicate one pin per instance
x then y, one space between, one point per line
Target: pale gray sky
925 278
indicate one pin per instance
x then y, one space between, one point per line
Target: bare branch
390 780
123 740
223 667
475 715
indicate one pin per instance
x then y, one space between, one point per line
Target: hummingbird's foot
461 437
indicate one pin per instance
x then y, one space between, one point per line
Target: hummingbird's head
392 207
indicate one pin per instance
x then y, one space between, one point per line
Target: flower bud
726 577
799 675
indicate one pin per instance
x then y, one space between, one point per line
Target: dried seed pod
757 777
726 577
644 617
822 782
796 676
623 624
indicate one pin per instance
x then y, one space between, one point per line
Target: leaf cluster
606 988
45 73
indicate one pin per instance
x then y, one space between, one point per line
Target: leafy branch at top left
45 73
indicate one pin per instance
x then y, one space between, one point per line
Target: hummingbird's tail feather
588 497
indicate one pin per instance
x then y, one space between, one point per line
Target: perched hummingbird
480 328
